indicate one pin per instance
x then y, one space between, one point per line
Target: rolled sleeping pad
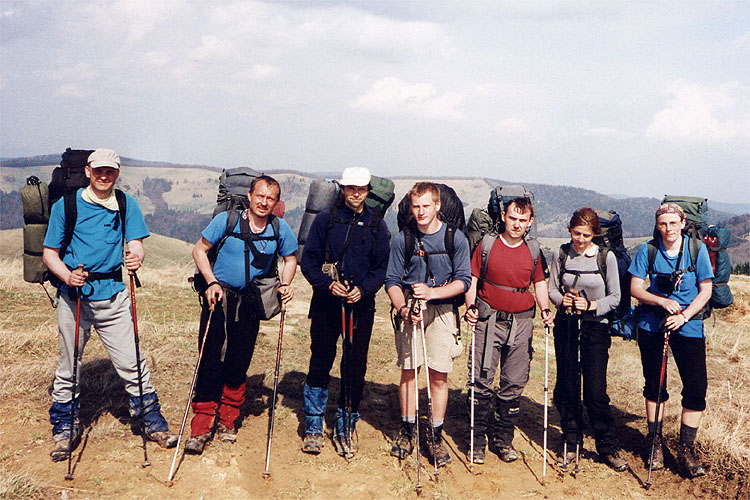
322 195
35 200
34 270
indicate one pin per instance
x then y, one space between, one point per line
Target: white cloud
511 125
213 48
71 91
703 114
393 96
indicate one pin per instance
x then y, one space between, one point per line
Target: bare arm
541 292
287 275
639 292
214 293
134 255
51 258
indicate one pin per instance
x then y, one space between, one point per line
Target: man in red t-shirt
503 323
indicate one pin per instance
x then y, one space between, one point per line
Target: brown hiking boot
226 434
313 443
403 445
687 458
568 458
165 439
657 461
196 444
346 450
615 461
62 447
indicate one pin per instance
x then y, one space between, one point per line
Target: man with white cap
102 219
344 260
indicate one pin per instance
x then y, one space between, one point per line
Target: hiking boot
165 439
226 434
344 449
62 447
657 462
687 458
437 449
615 461
478 455
313 443
195 444
508 453
403 445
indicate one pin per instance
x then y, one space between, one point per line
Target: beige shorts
441 336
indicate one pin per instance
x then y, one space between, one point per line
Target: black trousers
325 330
689 356
594 342
240 334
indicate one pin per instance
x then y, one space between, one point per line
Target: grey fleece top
607 296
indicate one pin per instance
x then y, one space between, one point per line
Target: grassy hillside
107 465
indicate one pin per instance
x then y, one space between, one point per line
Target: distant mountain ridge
178 204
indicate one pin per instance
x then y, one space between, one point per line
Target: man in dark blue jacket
345 260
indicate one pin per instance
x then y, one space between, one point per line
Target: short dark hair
585 217
268 180
522 203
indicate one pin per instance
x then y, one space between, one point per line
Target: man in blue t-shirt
233 329
678 290
96 243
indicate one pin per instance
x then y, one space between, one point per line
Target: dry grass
168 322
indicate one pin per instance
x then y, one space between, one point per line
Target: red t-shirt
509 267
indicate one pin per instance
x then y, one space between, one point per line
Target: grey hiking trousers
113 321
503 339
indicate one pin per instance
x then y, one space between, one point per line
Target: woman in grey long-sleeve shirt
584 292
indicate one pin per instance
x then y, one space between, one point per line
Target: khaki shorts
441 336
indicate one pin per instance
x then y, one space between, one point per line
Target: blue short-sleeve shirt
96 241
687 290
229 267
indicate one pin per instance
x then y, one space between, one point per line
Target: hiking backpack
37 198
486 225
451 213
610 240
697 231
326 194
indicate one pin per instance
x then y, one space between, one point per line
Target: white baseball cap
104 158
355 176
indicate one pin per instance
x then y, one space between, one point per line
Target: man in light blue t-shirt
233 329
679 288
96 243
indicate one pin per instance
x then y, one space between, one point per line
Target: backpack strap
601 264
487 241
71 217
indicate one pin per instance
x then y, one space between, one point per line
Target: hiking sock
655 427
687 434
438 423
408 420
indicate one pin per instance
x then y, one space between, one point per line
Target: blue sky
636 98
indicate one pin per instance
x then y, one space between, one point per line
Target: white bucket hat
104 158
355 176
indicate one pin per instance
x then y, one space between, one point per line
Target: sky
632 98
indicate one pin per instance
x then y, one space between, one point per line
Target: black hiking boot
196 444
438 450
313 443
483 415
226 434
615 461
687 458
657 462
479 455
403 445
508 453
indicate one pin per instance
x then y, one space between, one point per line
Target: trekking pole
348 393
473 400
662 375
418 487
272 410
566 355
546 399
190 397
418 308
133 278
69 475
579 409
